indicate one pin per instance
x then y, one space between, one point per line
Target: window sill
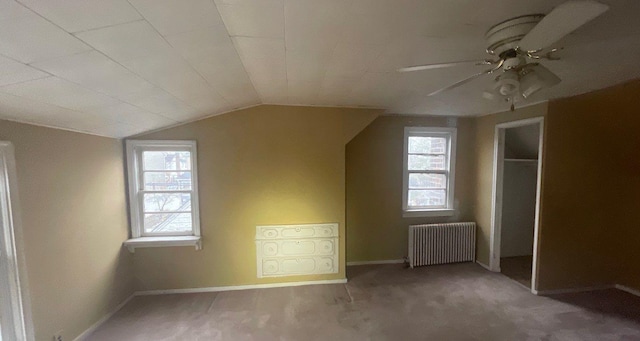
428 213
134 243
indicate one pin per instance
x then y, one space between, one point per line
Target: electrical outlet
58 336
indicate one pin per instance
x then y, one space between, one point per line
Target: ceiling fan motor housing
505 36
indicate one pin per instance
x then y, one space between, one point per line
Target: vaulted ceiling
118 68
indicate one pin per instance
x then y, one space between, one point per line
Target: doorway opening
518 148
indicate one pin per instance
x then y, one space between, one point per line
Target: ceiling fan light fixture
531 84
535 78
508 84
491 94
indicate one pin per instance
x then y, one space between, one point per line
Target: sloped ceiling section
522 142
117 67
121 67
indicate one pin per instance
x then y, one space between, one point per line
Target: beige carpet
449 302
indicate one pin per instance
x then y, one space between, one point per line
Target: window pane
423 162
160 181
425 180
166 160
162 202
427 145
167 222
426 198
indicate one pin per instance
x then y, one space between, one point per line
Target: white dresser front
287 250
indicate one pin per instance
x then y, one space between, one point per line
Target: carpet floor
382 302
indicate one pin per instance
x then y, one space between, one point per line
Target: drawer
289 266
296 231
297 247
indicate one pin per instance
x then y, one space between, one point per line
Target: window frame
448 209
135 148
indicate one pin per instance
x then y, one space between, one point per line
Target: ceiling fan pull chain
512 107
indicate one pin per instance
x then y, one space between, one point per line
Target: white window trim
139 239
449 210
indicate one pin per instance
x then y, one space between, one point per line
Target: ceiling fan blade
443 65
562 20
464 81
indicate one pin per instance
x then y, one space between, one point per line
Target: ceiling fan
519 43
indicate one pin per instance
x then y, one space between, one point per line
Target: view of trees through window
427 166
167 193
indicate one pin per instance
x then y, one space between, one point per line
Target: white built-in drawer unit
286 250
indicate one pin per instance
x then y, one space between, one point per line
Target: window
163 191
429 169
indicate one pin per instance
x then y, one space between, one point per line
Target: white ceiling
122 67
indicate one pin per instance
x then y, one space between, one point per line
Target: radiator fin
431 244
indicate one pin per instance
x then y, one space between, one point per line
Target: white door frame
496 207
14 307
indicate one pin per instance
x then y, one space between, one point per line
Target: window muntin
429 160
163 188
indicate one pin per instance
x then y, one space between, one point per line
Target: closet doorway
516 200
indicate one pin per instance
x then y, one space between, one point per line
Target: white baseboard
104 319
238 287
373 262
483 265
571 290
627 289
96 325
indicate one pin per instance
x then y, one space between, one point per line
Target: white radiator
442 243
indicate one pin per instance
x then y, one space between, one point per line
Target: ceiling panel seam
94 49
79 131
52 23
98 91
106 26
29 65
242 60
69 109
235 48
181 57
333 51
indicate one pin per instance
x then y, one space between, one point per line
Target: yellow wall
258 166
287 165
376 229
591 195
483 179
590 188
74 221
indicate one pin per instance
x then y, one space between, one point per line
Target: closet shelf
521 160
